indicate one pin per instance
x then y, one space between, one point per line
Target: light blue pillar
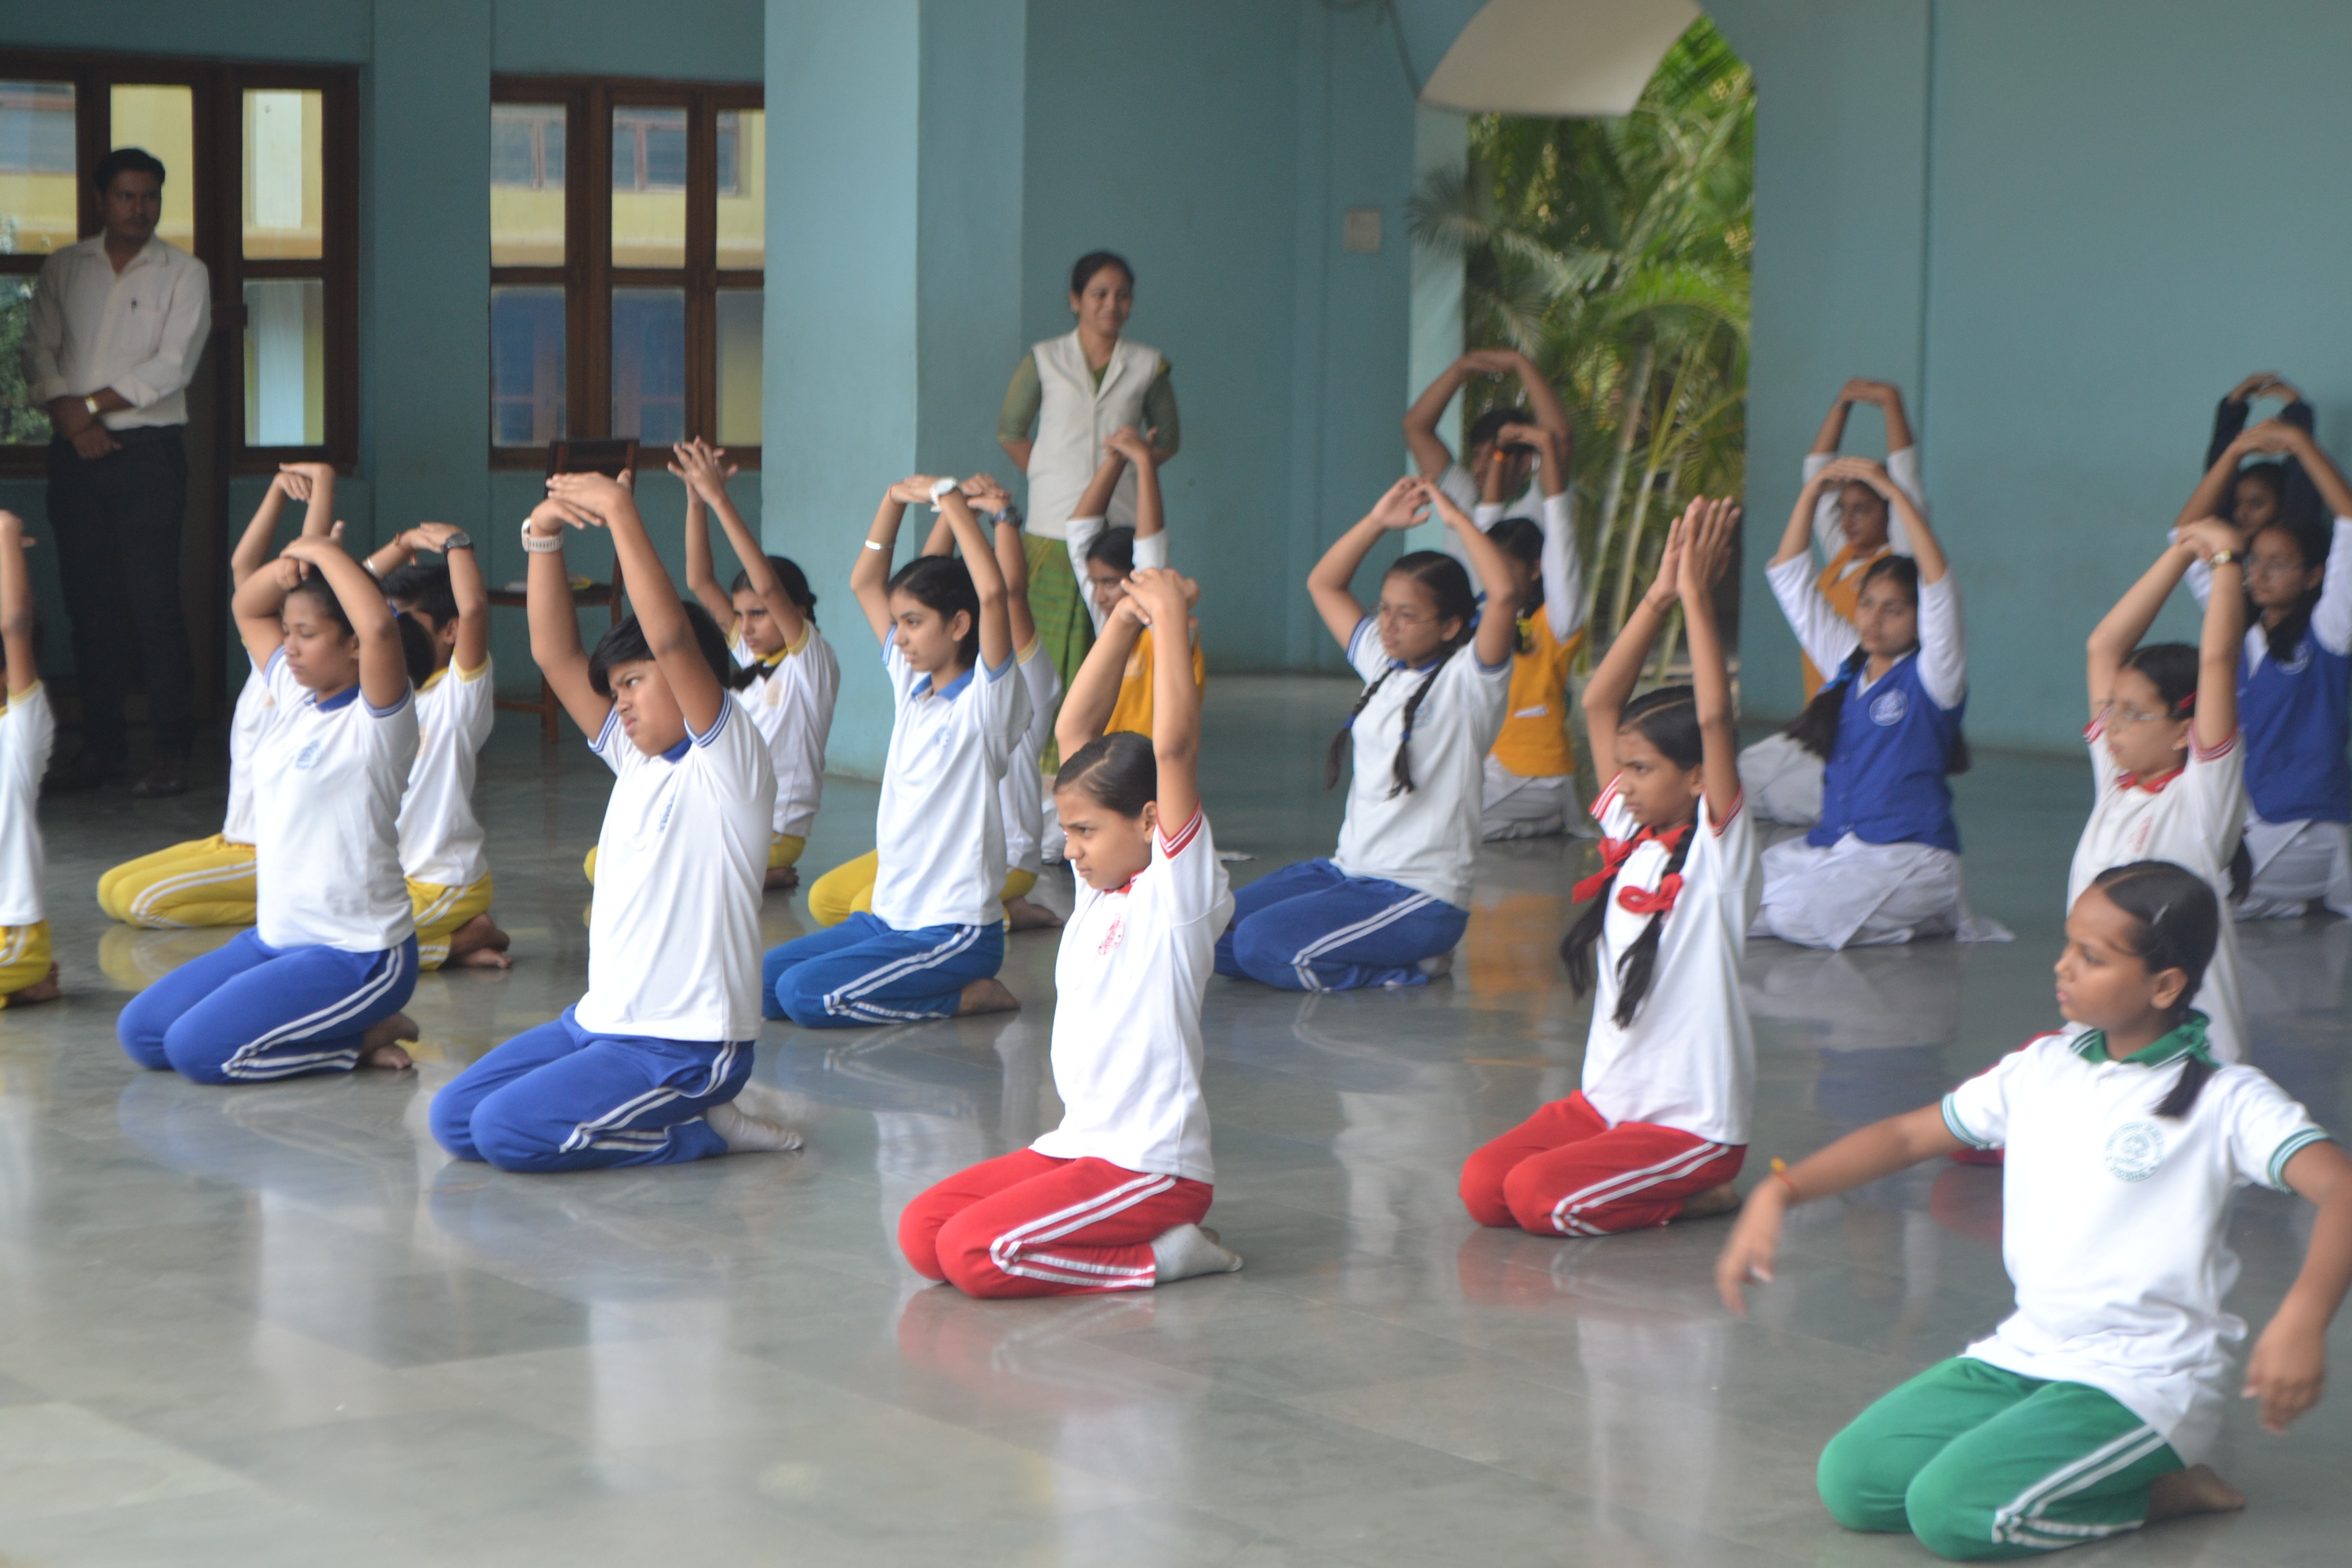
894 212
1441 144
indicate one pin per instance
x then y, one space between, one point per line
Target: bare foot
783 876
1023 915
379 1048
44 989
2200 1489
478 944
986 996
1710 1202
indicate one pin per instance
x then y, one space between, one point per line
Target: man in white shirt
116 325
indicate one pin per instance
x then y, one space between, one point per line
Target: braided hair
2176 923
1816 729
1449 585
1667 719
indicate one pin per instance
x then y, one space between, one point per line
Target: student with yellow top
209 881
1530 774
1853 527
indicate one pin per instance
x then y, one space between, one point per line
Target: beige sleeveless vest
1075 418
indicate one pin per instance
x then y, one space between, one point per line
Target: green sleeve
1159 414
1022 399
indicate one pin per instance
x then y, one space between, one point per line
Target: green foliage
1614 253
20 421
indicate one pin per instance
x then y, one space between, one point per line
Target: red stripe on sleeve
1174 846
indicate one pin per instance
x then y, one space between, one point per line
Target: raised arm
992 502
661 615
1498 623
1709 529
1332 585
1087 705
1924 547
2222 642
1166 599
2211 495
1430 453
1797 539
1831 435
2278 436
701 571
17 607
383 666
1551 415
710 473
466 585
1888 397
987 579
1611 685
1096 501
252 549
555 622
869 580
1856 1160
2120 630
1150 519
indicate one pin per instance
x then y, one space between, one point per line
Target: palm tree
1614 253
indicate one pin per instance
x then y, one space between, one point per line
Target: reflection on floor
274 1326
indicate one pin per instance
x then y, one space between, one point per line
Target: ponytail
1816 729
2285 640
1449 585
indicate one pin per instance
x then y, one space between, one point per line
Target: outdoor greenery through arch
1614 253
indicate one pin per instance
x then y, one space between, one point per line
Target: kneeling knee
452 1123
1948 1521
965 1261
798 999
1481 1189
1853 1490
1265 955
505 1142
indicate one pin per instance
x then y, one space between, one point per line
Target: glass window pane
527 184
285 363
36 167
648 187
739 367
649 364
163 120
526 366
744 188
23 422
284 134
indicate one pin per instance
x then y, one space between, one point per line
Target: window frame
217 144
588 276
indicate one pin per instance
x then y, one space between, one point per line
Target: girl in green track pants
2086 1413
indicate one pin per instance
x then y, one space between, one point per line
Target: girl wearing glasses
1390 905
2169 771
2294 674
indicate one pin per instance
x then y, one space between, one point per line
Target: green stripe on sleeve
2302 1138
1960 1128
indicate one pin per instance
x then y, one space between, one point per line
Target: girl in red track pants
1026 1224
1566 1171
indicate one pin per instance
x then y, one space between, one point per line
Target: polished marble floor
275 1326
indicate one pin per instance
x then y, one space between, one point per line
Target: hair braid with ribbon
1668 718
1449 586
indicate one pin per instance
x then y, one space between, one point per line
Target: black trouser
115 525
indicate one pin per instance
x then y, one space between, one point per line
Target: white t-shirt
681 867
1021 795
440 837
1829 512
1427 837
1134 963
327 783
1462 490
2194 819
939 827
1151 550
245 722
27 729
792 706
1689 1059
2116 1220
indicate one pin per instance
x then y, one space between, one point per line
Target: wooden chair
614 457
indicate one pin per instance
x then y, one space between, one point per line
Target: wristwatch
461 540
2226 558
90 403
941 488
533 545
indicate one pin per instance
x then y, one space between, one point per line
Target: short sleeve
1151 551
613 745
27 730
1195 877
893 665
1045 684
729 753
1616 819
1487 691
475 709
2219 779
1977 1113
1000 699
2103 764
1366 656
2267 1127
284 690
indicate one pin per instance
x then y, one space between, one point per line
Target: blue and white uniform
333 950
1394 900
2297 716
1883 864
624 1076
938 920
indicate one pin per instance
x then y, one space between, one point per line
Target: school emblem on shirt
2134 1151
309 758
1888 707
1113 937
2301 660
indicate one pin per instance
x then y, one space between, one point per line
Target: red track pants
1025 1224
1566 1171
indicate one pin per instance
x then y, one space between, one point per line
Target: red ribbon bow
1614 853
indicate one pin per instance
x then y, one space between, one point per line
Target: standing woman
1074 391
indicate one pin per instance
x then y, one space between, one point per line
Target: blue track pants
863 972
249 1013
1311 927
558 1098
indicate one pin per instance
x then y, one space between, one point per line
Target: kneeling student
1112 1198
318 983
645 1068
26 730
1660 1126
2087 1413
440 837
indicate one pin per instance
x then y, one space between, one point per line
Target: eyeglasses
2261 566
2115 716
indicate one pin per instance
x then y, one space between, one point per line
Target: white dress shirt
139 331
